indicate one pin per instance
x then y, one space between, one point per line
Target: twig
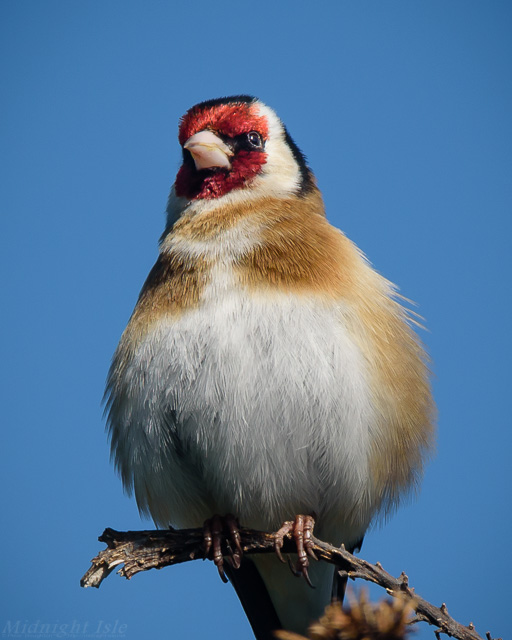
143 550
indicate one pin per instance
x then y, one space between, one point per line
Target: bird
268 374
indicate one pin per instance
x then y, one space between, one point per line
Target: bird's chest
268 399
259 386
254 360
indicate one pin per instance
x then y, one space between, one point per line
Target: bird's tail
255 599
273 598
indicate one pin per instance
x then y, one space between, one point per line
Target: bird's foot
301 529
217 530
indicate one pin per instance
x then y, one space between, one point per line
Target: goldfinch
267 371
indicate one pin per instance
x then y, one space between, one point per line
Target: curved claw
284 530
307 578
311 553
207 538
214 534
278 545
293 568
280 555
234 533
309 524
217 546
302 531
300 573
220 568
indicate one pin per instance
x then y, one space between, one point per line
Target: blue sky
404 111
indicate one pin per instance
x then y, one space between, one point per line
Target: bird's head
238 147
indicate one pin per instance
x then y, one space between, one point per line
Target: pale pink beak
208 150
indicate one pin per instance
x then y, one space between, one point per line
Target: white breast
250 404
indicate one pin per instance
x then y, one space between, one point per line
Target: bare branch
143 550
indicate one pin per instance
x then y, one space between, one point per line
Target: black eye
254 139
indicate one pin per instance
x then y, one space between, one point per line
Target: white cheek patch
280 175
